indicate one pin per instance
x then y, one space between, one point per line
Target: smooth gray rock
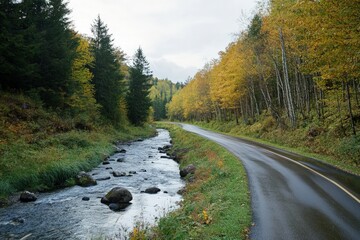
27 197
118 174
152 190
117 195
85 180
189 169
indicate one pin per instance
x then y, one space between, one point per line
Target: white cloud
185 33
166 69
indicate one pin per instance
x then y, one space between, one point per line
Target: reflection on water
63 214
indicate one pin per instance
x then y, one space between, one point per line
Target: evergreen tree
106 71
20 42
57 55
139 86
37 48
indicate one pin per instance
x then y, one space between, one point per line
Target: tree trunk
289 99
350 109
236 116
356 93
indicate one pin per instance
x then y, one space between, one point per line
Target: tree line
297 62
161 93
87 77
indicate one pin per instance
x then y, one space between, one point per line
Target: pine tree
138 95
57 55
106 70
20 42
37 48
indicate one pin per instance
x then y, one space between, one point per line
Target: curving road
294 197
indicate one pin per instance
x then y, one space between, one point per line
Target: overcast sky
177 36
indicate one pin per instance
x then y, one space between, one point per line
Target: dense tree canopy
138 99
42 56
161 93
107 77
298 62
37 48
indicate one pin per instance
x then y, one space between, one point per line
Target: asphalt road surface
294 197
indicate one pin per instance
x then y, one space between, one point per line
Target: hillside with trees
161 93
291 77
64 97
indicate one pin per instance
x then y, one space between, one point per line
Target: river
63 214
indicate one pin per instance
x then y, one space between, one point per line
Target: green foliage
161 93
37 49
42 150
138 99
316 141
216 204
82 102
350 148
107 77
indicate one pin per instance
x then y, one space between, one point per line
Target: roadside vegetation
42 150
216 202
291 78
341 153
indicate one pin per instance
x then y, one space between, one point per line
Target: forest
86 78
295 69
65 98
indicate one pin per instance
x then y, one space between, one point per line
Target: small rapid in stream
64 215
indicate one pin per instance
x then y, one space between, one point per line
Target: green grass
41 150
51 162
216 204
341 153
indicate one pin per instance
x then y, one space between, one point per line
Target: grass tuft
216 202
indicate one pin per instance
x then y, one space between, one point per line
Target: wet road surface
294 197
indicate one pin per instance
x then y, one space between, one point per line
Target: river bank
42 149
54 161
63 214
216 202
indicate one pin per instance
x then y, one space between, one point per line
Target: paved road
294 197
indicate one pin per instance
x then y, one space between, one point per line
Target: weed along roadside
342 154
216 202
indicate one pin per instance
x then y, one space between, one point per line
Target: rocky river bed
64 214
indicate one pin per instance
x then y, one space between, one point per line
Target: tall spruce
57 55
138 99
106 71
37 48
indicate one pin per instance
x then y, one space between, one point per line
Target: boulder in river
118 206
27 197
152 190
189 169
103 178
106 162
85 180
117 195
118 174
85 198
120 151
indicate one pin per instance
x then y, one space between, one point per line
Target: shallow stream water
64 215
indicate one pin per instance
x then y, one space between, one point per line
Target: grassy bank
216 201
314 142
41 150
